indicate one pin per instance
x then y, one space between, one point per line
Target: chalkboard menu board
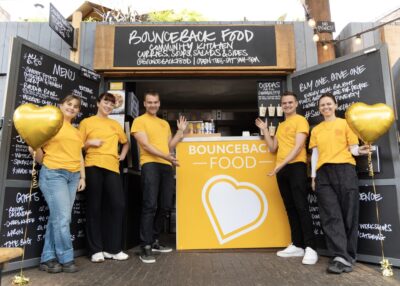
356 79
194 46
14 220
44 80
269 98
61 26
269 92
40 77
360 77
368 232
313 208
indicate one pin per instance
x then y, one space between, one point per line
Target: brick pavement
253 267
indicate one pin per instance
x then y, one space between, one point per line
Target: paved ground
255 267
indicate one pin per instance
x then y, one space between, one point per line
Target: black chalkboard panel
269 98
14 220
194 46
40 77
44 80
368 232
360 77
356 79
61 26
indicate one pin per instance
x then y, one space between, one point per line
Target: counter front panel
225 199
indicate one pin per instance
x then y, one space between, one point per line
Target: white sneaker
97 257
291 251
310 256
119 256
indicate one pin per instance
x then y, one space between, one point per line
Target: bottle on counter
190 128
212 126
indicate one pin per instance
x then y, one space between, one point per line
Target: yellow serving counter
225 199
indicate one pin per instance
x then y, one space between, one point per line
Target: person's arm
39 154
314 160
124 151
82 179
142 139
299 144
181 124
357 150
271 142
93 143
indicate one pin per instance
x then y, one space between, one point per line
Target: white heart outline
236 185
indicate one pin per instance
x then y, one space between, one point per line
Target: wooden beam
319 10
76 23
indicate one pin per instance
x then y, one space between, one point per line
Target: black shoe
337 267
69 267
157 247
51 266
147 256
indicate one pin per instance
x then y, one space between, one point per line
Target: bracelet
179 131
82 178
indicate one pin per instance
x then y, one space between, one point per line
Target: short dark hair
150 92
107 97
289 93
70 97
328 94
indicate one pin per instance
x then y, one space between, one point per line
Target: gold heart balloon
369 122
36 125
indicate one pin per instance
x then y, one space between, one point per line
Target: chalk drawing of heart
234 208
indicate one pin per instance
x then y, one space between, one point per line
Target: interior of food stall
230 103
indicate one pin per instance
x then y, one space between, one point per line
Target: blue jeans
59 188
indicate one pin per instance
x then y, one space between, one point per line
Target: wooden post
319 10
76 23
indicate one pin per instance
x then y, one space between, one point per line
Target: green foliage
282 17
172 16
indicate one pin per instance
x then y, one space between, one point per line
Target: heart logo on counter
234 208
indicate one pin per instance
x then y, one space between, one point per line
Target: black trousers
158 189
338 202
105 210
293 186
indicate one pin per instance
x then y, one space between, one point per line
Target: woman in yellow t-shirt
105 201
61 175
335 182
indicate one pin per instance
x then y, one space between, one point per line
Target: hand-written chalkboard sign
357 79
194 46
14 220
269 94
325 27
361 77
40 77
43 80
61 26
389 225
90 74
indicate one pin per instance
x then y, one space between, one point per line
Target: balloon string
21 280
386 266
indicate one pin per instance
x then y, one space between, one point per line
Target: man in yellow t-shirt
291 175
157 178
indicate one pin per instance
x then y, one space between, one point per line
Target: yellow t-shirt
108 130
333 138
286 136
158 134
64 150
